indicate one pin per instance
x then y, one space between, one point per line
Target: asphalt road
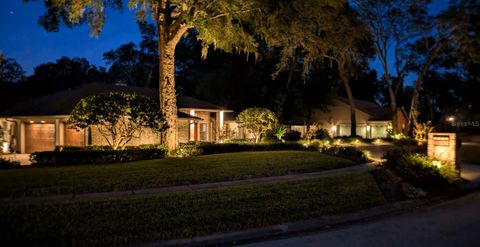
453 223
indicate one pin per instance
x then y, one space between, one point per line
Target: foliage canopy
257 121
119 117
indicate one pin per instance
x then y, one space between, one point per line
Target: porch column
219 125
192 126
21 138
57 132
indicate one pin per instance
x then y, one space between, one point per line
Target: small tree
280 131
421 131
257 121
120 117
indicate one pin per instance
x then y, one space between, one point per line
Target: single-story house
372 120
40 124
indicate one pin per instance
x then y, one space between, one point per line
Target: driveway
453 223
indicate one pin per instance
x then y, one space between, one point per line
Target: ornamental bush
421 171
351 153
257 121
96 155
119 117
292 136
192 149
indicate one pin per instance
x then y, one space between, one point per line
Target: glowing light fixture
451 118
437 163
31 122
5 147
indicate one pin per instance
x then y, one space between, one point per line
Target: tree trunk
412 116
168 99
346 83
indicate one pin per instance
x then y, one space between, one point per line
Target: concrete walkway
182 188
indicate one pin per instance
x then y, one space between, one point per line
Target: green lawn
470 154
164 172
179 215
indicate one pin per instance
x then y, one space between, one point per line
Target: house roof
376 112
62 103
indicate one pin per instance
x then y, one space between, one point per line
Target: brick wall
147 137
443 146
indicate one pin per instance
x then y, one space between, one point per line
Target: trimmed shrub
269 137
8 164
187 150
322 134
351 153
420 171
292 136
96 155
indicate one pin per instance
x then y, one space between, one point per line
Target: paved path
471 173
263 180
454 223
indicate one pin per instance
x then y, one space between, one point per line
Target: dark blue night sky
24 40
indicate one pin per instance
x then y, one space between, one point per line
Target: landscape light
437 163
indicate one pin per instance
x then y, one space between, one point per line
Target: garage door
74 137
39 137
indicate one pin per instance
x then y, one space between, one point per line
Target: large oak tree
230 25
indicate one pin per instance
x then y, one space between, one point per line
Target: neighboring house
373 121
40 124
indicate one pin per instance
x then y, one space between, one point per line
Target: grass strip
179 215
161 173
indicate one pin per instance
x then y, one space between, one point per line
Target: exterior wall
205 133
336 119
205 129
15 135
444 147
300 128
21 135
183 129
147 137
233 131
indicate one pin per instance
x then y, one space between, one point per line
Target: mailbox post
443 146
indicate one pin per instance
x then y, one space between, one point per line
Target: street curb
303 226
